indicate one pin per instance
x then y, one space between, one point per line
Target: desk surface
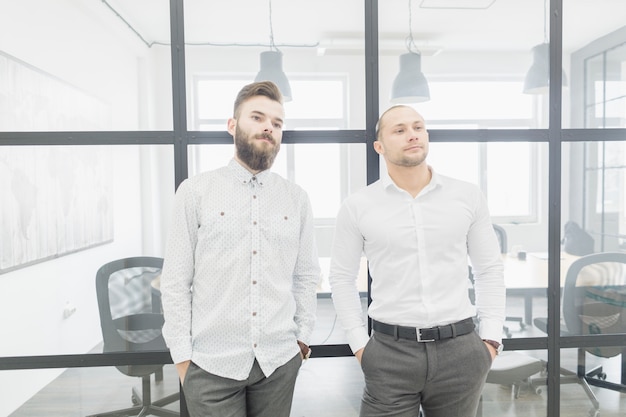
533 271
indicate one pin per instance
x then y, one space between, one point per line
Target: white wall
32 299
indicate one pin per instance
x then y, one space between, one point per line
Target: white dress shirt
240 272
417 249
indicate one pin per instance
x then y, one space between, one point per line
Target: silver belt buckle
419 336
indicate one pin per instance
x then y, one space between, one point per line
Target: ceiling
441 25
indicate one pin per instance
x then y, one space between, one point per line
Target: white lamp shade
410 85
272 70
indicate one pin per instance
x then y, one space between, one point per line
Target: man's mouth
266 138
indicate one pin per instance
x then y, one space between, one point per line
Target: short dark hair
261 88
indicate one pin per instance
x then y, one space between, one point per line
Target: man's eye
278 126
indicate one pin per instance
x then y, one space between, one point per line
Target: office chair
131 321
594 302
513 369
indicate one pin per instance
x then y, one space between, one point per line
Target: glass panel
596 196
594 289
214 103
594 87
606 89
465 76
515 384
596 56
487 165
78 392
512 199
66 211
328 387
321 55
453 105
584 396
94 66
327 330
519 206
342 174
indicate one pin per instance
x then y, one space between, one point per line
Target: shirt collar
435 181
244 176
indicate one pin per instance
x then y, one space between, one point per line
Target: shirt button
254 282
254 313
254 252
254 345
254 223
254 196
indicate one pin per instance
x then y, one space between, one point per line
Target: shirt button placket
255 264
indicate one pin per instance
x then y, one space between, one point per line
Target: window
458 105
604 163
214 96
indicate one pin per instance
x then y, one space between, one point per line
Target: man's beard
408 162
255 157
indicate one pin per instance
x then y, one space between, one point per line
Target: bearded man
240 273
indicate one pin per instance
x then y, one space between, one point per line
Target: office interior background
107 105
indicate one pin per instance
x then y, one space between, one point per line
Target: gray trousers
445 377
209 395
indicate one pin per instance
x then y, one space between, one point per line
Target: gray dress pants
445 377
209 395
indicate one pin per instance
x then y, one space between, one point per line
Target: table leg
528 308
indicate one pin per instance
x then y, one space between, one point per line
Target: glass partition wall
106 106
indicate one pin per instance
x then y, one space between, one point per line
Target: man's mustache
267 136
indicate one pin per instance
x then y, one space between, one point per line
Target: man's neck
243 164
410 179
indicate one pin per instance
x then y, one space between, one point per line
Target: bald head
401 137
383 117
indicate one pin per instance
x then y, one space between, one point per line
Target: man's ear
232 126
378 147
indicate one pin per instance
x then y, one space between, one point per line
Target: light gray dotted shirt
240 273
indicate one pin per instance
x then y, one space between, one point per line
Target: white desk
528 278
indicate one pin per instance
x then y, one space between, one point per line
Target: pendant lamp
537 79
272 65
272 70
410 85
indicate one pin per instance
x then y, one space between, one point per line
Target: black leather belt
426 335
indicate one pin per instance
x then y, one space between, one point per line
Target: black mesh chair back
131 320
